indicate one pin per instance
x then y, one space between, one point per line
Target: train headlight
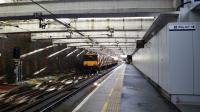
96 84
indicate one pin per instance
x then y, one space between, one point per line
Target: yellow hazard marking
112 102
105 106
111 91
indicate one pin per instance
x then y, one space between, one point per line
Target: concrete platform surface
125 90
140 96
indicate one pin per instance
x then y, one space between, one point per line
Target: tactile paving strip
113 100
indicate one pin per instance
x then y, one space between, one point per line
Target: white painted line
86 99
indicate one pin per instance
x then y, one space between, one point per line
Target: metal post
18 71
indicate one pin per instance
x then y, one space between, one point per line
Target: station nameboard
195 0
181 27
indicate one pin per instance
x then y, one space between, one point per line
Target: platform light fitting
39 71
36 51
80 53
56 53
3 36
72 52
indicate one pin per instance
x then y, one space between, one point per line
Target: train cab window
90 57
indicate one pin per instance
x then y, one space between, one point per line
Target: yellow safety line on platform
105 106
86 99
112 102
111 92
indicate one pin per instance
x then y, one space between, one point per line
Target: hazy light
71 53
80 53
37 72
3 36
65 20
123 56
96 84
57 52
36 51
115 57
4 1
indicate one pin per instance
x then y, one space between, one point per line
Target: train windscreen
90 58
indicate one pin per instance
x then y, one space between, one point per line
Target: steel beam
86 8
100 42
113 47
55 38
112 40
108 46
103 44
62 30
128 49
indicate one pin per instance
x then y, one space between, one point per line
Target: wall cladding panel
173 61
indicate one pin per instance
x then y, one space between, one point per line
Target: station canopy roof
117 34
100 25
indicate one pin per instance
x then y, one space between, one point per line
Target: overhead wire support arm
54 17
70 28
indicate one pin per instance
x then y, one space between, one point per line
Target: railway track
46 96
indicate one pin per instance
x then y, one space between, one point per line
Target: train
129 59
94 62
41 58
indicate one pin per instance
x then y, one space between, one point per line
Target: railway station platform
125 90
